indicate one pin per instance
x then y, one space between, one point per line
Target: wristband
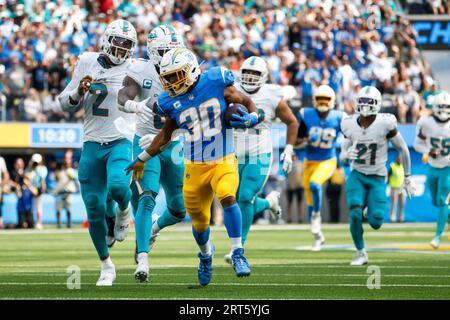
144 156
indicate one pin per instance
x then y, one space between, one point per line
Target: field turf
33 265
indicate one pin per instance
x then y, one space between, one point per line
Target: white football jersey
258 140
100 102
371 143
144 73
437 136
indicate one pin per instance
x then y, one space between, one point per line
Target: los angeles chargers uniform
210 163
166 168
366 184
320 160
438 137
254 153
105 150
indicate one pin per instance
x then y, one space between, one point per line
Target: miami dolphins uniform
320 160
254 153
366 184
437 136
106 152
166 168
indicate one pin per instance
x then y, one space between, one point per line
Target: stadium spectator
408 104
295 189
430 92
16 84
333 191
37 175
33 107
395 179
4 181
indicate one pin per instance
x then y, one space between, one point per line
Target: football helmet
179 70
253 73
119 41
160 40
441 106
324 98
368 101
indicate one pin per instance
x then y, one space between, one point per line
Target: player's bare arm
287 116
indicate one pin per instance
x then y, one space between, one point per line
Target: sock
202 240
247 210
142 257
316 191
143 222
232 219
107 263
356 228
236 243
165 220
442 219
260 205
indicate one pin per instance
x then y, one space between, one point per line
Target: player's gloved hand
314 137
246 120
286 157
343 157
137 166
144 111
352 153
146 140
408 187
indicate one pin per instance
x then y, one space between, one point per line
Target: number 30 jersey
438 137
200 114
100 102
372 142
327 130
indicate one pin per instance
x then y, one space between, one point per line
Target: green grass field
33 265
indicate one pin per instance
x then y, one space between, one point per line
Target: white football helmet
253 73
119 41
441 106
179 70
368 101
160 40
324 98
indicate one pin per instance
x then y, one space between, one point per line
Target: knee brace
179 215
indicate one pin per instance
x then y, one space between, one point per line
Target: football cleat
435 242
360 259
239 263
319 240
122 225
153 236
205 267
141 273
107 276
274 204
110 240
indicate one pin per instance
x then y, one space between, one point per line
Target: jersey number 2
101 91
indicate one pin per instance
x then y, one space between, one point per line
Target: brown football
232 109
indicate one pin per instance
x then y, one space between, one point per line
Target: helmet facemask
323 103
442 112
367 106
118 48
251 80
176 82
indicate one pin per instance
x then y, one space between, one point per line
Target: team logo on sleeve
147 84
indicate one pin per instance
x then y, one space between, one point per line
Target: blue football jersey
328 129
200 114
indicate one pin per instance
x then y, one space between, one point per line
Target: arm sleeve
400 145
64 97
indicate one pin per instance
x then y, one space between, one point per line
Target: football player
367 134
254 146
319 127
167 168
96 79
433 139
196 102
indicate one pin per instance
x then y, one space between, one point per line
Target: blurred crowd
29 181
427 6
346 44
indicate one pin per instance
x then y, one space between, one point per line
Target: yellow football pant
317 172
202 180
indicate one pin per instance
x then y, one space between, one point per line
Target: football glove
246 120
286 157
137 166
408 187
146 141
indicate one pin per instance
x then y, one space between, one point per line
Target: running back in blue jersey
327 129
200 113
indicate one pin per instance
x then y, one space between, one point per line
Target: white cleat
141 273
153 235
274 204
122 226
227 257
107 276
360 259
435 242
319 240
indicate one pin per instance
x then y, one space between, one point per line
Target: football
232 109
